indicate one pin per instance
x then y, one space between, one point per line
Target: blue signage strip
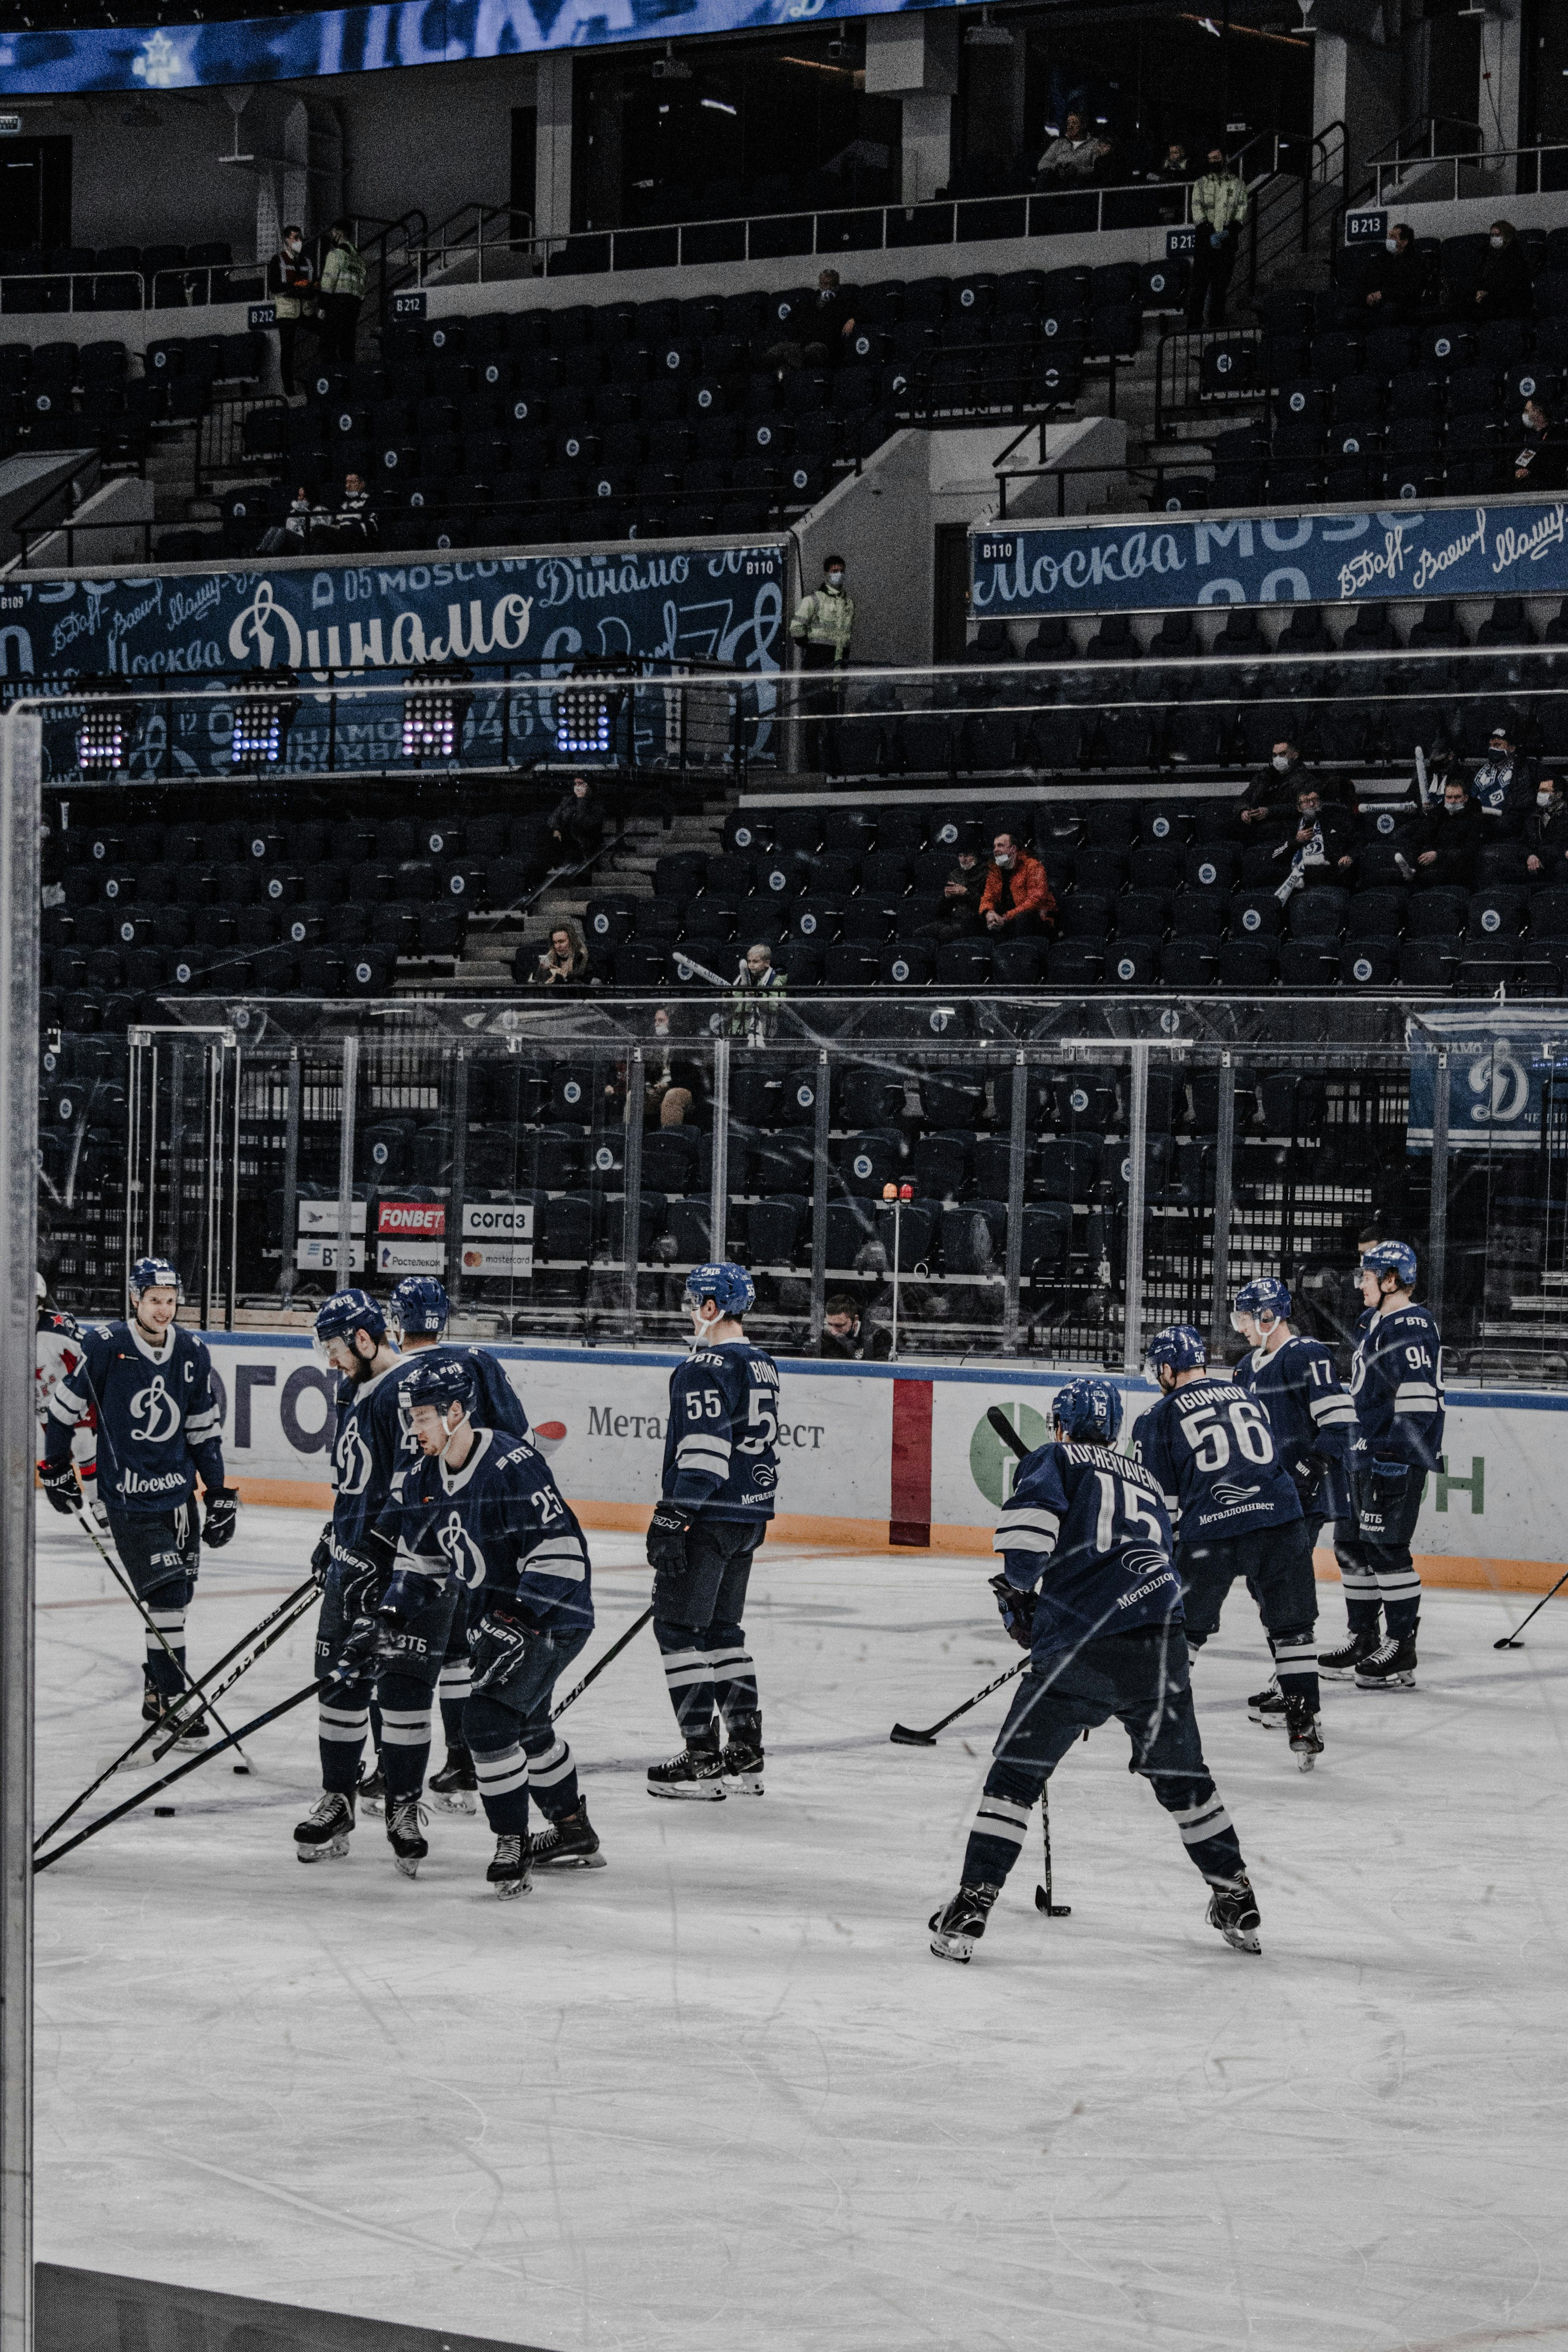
1171 561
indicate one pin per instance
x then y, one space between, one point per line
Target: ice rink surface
718 2097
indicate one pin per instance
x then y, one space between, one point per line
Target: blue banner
1500 1058
365 41
533 614
1170 562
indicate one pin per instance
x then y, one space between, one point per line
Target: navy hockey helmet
420 1306
1264 1296
1089 1410
1396 1258
346 1312
150 1274
729 1286
440 1380
1181 1346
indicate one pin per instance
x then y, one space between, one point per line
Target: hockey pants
161 1552
1141 1677
697 1614
1373 1552
1277 1564
508 1731
402 1686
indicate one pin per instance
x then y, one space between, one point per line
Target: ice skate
1306 1732
191 1734
1268 1706
454 1787
406 1820
509 1872
1390 1666
958 1926
373 1788
1344 1661
743 1759
1233 1909
324 1834
570 1843
696 1773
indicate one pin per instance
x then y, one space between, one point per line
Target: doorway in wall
950 591
35 193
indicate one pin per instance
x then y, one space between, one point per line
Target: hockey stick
1043 1894
244 1668
595 1672
1005 1431
156 1788
151 1730
145 1615
901 1735
1510 1641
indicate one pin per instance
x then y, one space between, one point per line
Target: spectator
960 916
577 822
1176 166
1546 837
290 278
289 536
1504 786
1219 207
1392 294
1316 846
1502 290
828 323
845 1337
351 524
1271 794
342 291
1452 833
758 990
824 621
1017 900
1541 463
674 1086
564 965
1070 158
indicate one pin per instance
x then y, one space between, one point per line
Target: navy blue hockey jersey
501 1526
720 1446
158 1421
1211 1448
497 1404
1091 1523
1396 1384
1308 1413
366 1450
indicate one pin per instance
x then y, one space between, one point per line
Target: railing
63 292
387 261
1292 208
1493 172
1179 386
34 523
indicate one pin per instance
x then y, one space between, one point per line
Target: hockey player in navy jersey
720 1475
1313 1420
354 1561
1087 1588
479 1510
1396 1386
419 1311
151 1385
1235 1512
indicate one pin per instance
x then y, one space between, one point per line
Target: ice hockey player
419 1311
1235 1512
479 1510
150 1384
1396 1386
60 1348
1294 1379
1087 1587
353 1561
721 1476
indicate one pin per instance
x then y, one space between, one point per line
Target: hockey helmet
1396 1258
440 1380
1181 1346
729 1286
346 1312
1089 1410
1264 1297
419 1305
151 1274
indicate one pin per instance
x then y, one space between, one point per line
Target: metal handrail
1487 160
252 272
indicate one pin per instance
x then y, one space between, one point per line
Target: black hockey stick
1043 1894
151 1730
595 1672
1005 1431
1510 1641
302 1608
146 1616
156 1788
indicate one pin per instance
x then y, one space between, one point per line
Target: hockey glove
1395 1473
1017 1611
59 1482
497 1647
358 1652
667 1533
1307 1471
223 1509
321 1557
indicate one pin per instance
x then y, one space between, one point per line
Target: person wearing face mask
1316 846
823 626
1448 859
1504 786
1542 461
1502 285
1219 207
1392 294
290 278
1270 797
1546 838
1017 902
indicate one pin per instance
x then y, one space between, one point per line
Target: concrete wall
1471 214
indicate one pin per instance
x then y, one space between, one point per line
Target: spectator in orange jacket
1017 900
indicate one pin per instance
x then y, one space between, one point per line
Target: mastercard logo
547 1435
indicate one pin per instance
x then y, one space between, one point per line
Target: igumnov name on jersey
1308 1411
721 1447
501 1526
1396 1384
158 1421
1090 1522
1210 1446
365 1452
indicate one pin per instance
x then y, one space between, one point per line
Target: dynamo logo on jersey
1225 1490
154 1414
468 1560
353 1461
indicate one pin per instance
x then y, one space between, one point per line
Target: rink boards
876 1453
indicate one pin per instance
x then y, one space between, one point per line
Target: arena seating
73 278
58 396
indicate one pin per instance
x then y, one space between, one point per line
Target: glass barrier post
1224 1184
344 1267
718 1195
1017 1153
819 1197
1438 1227
631 1181
1137 1146
290 1178
459 1177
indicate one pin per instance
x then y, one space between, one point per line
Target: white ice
720 2097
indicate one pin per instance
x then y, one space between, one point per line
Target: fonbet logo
994 1465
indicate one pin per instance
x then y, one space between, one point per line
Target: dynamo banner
1175 562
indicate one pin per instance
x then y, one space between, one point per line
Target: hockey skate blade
508 1891
329 1853
456 1801
700 1792
569 1861
1051 1910
903 1737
